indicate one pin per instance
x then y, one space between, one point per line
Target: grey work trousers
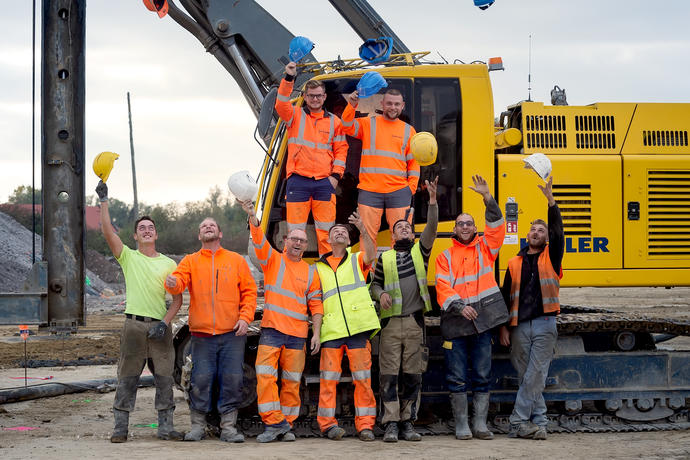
400 346
533 344
135 349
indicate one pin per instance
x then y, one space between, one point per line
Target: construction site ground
79 425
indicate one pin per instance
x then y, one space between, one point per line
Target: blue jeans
532 347
476 348
217 359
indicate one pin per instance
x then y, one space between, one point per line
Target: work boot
198 431
121 425
513 431
228 430
480 401
288 437
271 433
459 403
366 435
409 433
391 434
166 431
335 432
527 430
540 434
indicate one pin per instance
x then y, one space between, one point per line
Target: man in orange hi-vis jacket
292 288
471 306
388 172
317 150
222 302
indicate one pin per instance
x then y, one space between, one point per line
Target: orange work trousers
278 350
372 204
358 351
305 195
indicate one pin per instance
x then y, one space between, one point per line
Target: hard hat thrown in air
103 164
424 148
243 186
370 84
299 47
540 163
376 50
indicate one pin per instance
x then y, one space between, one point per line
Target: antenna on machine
529 71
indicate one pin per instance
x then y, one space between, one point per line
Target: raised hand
431 187
480 186
548 191
355 220
353 98
291 69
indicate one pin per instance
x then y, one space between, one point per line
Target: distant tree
22 195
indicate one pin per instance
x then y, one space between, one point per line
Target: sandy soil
79 425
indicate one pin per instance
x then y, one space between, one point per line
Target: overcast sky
193 128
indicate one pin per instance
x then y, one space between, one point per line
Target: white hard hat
540 163
243 186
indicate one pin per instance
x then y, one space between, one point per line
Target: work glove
456 307
102 191
158 331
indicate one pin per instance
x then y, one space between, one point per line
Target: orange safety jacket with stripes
549 282
465 274
290 288
387 165
317 147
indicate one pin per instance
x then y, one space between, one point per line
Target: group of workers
335 297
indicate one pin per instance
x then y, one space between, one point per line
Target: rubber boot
166 430
480 401
459 403
198 431
271 433
121 425
228 430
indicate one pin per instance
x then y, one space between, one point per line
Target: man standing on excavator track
145 334
388 172
471 306
317 151
222 303
349 321
292 290
530 290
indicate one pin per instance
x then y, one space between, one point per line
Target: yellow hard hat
424 148
103 164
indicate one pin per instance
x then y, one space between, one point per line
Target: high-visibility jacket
317 146
221 289
391 281
465 273
387 165
348 308
549 281
290 289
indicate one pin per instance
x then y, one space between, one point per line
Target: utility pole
135 208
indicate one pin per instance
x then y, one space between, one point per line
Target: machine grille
595 132
665 138
668 223
545 131
575 203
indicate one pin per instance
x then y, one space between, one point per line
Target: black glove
102 191
158 331
456 307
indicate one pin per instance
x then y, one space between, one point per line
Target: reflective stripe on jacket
221 289
387 165
348 308
290 289
317 146
549 282
392 281
465 273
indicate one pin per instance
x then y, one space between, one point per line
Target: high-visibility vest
391 281
317 146
387 165
549 281
347 305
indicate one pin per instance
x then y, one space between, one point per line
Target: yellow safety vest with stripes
391 281
347 305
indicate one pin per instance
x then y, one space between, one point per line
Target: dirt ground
79 425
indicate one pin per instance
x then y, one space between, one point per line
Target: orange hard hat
159 6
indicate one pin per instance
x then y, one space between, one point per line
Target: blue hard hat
376 50
483 4
300 47
370 84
